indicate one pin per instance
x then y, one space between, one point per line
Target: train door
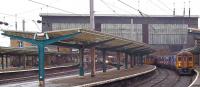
185 61
190 61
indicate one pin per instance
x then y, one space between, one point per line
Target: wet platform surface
87 80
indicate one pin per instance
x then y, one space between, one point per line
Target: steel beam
98 43
136 47
79 46
115 47
67 44
21 38
139 49
56 39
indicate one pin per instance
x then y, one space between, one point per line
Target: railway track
33 76
164 78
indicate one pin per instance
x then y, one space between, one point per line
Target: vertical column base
41 83
81 71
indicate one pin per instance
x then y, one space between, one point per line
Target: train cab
184 62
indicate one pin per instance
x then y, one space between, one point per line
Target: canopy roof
87 38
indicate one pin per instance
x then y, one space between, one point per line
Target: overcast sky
17 10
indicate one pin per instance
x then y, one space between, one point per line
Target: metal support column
199 60
25 58
2 62
93 61
6 61
131 60
141 59
104 60
81 67
32 61
118 60
126 61
19 61
135 60
41 65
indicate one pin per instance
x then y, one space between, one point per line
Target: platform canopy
86 39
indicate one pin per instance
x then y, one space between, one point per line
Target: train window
179 58
190 58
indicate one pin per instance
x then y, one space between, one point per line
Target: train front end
184 63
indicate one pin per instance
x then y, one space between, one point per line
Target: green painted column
126 61
104 61
41 58
81 67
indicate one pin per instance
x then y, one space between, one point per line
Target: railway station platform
111 75
196 82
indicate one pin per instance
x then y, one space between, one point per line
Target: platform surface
196 82
87 80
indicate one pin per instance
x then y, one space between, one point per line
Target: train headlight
107 61
179 64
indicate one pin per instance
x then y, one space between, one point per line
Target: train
182 62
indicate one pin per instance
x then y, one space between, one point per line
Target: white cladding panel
61 26
168 33
129 31
158 33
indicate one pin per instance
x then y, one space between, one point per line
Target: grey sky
25 9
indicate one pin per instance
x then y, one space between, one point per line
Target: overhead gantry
82 39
